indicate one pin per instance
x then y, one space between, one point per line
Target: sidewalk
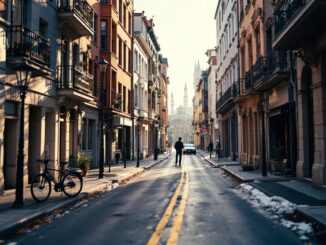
12 219
312 201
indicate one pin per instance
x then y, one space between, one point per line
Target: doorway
10 153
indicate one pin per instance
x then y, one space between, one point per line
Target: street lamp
103 65
139 119
156 124
23 74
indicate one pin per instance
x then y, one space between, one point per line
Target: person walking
210 149
178 146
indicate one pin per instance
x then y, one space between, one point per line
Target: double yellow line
177 222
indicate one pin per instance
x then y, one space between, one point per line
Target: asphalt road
193 204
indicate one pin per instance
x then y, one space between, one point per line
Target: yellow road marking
177 223
155 238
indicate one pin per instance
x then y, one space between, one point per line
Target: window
250 57
114 85
124 99
43 28
130 61
129 101
104 34
130 24
124 16
95 28
120 52
104 2
257 37
114 38
124 56
120 11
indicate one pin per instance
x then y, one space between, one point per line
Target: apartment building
53 40
141 56
211 80
162 94
116 47
201 124
227 77
144 27
305 44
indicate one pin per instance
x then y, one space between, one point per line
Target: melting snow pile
276 207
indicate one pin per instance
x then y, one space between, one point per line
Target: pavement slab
11 219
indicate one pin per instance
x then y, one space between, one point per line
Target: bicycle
69 182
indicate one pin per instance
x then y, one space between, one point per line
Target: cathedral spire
185 97
172 104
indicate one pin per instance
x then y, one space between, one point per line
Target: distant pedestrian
178 147
210 149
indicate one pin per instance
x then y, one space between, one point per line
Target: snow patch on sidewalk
277 208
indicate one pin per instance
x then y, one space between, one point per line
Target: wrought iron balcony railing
228 95
278 62
26 44
285 11
75 78
81 8
261 71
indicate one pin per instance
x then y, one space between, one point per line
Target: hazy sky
185 30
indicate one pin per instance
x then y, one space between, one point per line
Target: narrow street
196 200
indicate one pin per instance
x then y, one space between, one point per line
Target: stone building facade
306 47
227 77
61 97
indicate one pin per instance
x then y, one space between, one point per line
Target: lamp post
103 65
23 74
139 119
156 124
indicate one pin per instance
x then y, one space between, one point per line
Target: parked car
189 148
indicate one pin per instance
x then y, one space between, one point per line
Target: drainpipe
132 91
240 90
292 116
263 140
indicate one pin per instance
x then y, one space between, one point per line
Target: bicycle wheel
72 184
41 188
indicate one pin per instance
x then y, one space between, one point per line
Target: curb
210 162
238 177
309 217
306 216
12 228
157 162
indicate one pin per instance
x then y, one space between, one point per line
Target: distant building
200 116
181 121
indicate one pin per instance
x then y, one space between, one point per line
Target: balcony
296 21
227 99
74 83
274 71
256 74
77 16
26 46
